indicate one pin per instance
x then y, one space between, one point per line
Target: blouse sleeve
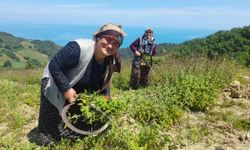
65 59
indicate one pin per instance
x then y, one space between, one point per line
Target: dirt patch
222 135
237 91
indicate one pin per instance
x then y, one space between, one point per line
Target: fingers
76 96
137 53
70 95
71 100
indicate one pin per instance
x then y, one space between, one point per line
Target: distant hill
125 52
234 43
20 53
16 52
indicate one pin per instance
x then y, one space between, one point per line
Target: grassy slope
19 97
42 58
25 48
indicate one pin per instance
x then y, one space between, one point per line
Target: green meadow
159 116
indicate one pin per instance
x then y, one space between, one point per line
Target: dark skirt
50 125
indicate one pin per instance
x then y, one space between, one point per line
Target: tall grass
177 86
22 76
192 83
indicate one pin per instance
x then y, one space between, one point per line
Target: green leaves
140 119
95 108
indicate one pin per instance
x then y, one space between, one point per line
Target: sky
218 14
178 14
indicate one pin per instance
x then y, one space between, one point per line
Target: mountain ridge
17 52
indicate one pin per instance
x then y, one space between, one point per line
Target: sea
62 34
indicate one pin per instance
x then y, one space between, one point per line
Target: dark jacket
137 44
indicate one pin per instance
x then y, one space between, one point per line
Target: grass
242 124
42 58
18 64
143 122
227 116
244 76
22 76
13 117
230 103
3 58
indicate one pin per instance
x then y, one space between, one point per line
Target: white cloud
101 13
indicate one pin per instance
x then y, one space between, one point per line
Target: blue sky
174 21
210 14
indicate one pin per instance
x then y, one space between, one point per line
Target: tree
7 64
32 63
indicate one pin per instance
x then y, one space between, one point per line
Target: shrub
7 64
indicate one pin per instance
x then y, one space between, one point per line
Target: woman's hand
137 53
70 95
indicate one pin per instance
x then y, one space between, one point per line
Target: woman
81 65
145 45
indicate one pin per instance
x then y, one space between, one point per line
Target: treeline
234 43
46 47
125 52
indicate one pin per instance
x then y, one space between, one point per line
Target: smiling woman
107 46
108 40
82 65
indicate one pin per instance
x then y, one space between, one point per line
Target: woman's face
106 46
149 35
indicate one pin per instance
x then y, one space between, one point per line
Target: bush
32 63
7 64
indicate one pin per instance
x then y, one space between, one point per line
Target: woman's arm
65 59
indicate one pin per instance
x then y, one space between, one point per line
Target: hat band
113 34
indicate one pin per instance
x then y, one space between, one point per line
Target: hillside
234 43
190 104
16 52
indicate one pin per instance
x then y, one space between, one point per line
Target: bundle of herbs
92 111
